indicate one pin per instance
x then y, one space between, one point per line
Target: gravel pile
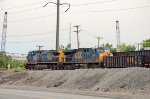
11 78
134 80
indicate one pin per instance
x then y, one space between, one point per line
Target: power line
93 3
38 40
36 8
22 11
115 10
86 4
35 3
123 9
29 41
28 19
8 53
37 34
91 35
26 5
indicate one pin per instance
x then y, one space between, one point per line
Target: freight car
70 59
86 58
128 59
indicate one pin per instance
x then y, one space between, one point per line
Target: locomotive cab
101 57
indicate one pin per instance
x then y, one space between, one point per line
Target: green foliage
14 65
18 69
4 61
110 46
68 47
145 43
126 48
113 50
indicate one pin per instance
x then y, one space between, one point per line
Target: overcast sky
30 24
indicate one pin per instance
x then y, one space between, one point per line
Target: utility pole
70 34
58 17
57 25
77 27
99 38
39 47
3 41
117 35
138 46
39 51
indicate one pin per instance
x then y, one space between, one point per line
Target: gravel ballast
127 80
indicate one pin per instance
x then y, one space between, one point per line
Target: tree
110 46
126 48
68 47
145 43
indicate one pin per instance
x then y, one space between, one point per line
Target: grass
18 69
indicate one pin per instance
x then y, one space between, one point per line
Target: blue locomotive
69 59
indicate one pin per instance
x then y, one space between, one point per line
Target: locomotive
86 58
69 59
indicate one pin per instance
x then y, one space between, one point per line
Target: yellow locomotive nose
62 57
102 55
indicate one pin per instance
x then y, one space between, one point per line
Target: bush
14 64
4 61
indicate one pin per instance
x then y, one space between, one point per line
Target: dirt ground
121 82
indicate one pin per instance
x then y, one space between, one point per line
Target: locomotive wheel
101 65
93 66
30 68
66 67
33 68
54 67
89 66
70 67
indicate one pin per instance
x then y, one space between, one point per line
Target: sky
30 24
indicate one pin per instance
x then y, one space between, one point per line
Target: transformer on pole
117 35
3 41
